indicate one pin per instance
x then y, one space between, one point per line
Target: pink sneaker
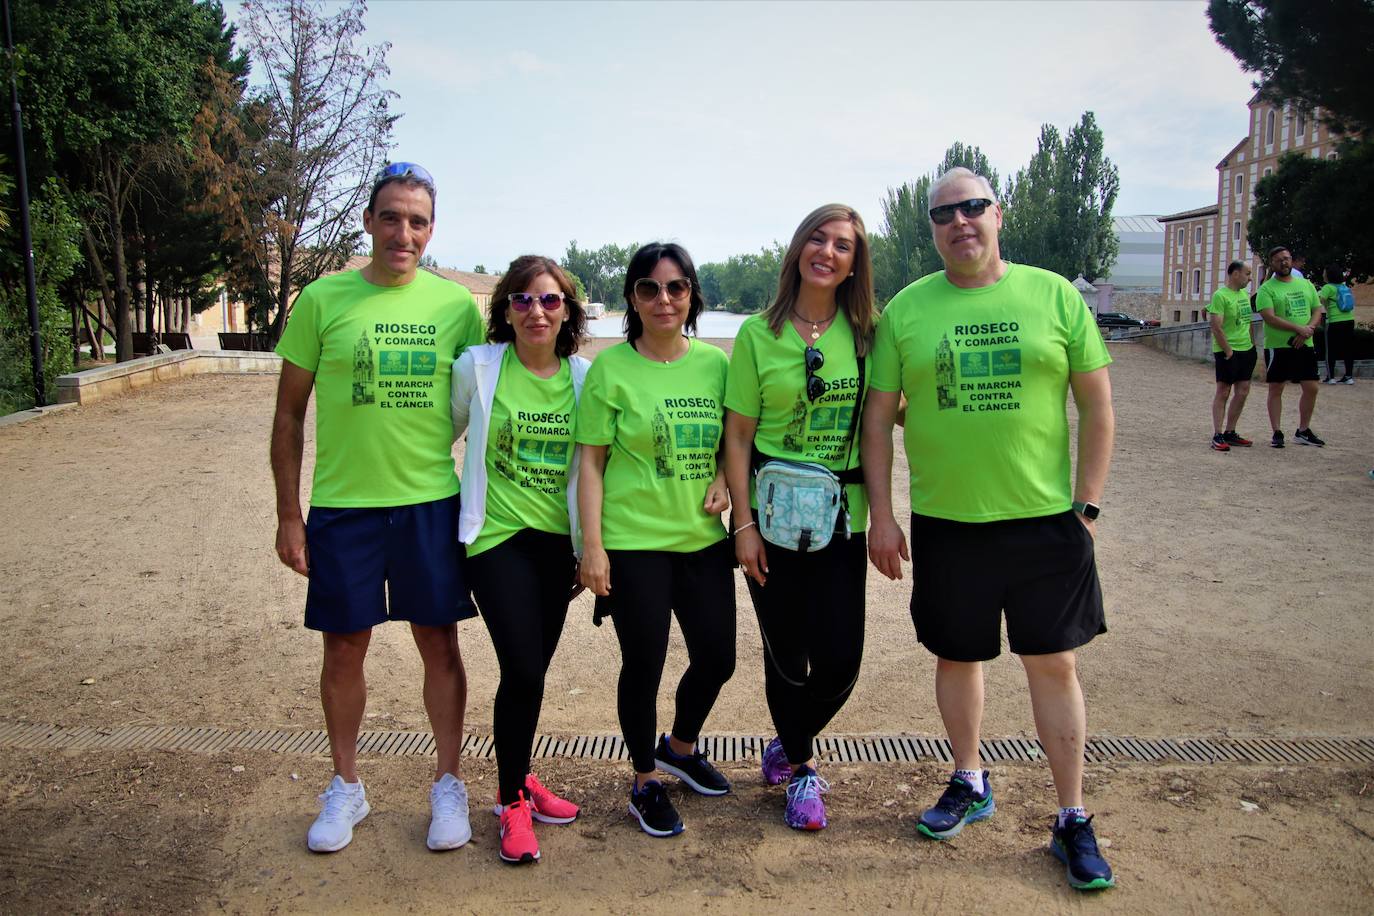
545 807
776 769
518 843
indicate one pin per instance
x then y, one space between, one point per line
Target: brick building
1200 243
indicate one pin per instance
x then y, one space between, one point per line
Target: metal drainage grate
727 748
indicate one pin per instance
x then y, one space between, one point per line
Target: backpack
1345 298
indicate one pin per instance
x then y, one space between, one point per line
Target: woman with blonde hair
793 401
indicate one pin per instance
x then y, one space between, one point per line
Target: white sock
973 777
1066 813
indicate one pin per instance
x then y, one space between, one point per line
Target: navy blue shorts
368 566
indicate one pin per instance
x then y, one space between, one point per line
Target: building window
1269 128
1195 314
1302 123
1197 283
1178 316
1268 172
1331 155
1235 231
1178 284
1181 236
1240 185
1197 236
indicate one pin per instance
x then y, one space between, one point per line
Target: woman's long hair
854 296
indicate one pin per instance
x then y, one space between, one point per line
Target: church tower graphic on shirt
793 436
363 372
944 376
505 450
663 446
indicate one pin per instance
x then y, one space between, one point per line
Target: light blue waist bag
799 504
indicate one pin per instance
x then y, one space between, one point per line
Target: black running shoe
1075 845
654 811
1307 437
1277 441
1219 443
959 805
693 769
1234 439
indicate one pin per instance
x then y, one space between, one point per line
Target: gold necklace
816 325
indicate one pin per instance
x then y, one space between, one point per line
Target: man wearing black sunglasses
376 346
984 352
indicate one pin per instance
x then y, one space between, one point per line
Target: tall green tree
601 269
1319 208
1318 53
1058 209
328 131
109 89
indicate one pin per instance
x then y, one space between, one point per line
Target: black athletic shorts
1041 571
1238 368
1290 364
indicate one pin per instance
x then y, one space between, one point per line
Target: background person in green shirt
650 495
986 353
1233 349
516 399
1291 312
1340 325
376 346
794 393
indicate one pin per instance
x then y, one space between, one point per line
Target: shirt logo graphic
1006 362
973 365
394 362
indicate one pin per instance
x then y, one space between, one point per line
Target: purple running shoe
805 810
776 769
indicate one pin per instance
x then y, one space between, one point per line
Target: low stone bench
93 385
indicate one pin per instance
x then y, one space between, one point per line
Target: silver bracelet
743 527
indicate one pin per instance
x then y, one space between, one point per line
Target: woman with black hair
795 393
650 499
516 397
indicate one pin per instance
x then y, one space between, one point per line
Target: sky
721 125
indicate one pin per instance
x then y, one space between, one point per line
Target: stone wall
109 381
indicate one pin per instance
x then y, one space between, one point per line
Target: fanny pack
800 503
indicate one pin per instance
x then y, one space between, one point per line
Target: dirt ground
138 555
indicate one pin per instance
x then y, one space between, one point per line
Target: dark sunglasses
403 170
523 302
647 289
972 208
815 385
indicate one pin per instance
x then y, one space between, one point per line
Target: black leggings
811 616
647 586
1340 344
522 587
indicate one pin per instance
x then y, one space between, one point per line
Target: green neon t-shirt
1234 308
1329 295
382 357
663 425
1294 301
529 451
986 373
767 382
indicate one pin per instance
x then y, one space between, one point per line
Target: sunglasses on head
404 170
647 289
972 208
815 385
523 302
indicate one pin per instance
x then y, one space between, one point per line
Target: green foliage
1314 52
1318 208
56 256
602 270
579 289
479 269
1058 209
745 283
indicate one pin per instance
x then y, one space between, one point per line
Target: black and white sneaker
693 769
1307 437
654 810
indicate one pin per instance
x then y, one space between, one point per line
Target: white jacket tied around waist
475 375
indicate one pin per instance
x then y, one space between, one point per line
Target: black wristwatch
1090 511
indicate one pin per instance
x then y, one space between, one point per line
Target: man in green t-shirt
985 353
376 346
1234 352
1339 302
1291 312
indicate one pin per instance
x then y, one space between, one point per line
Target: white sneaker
448 803
343 804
